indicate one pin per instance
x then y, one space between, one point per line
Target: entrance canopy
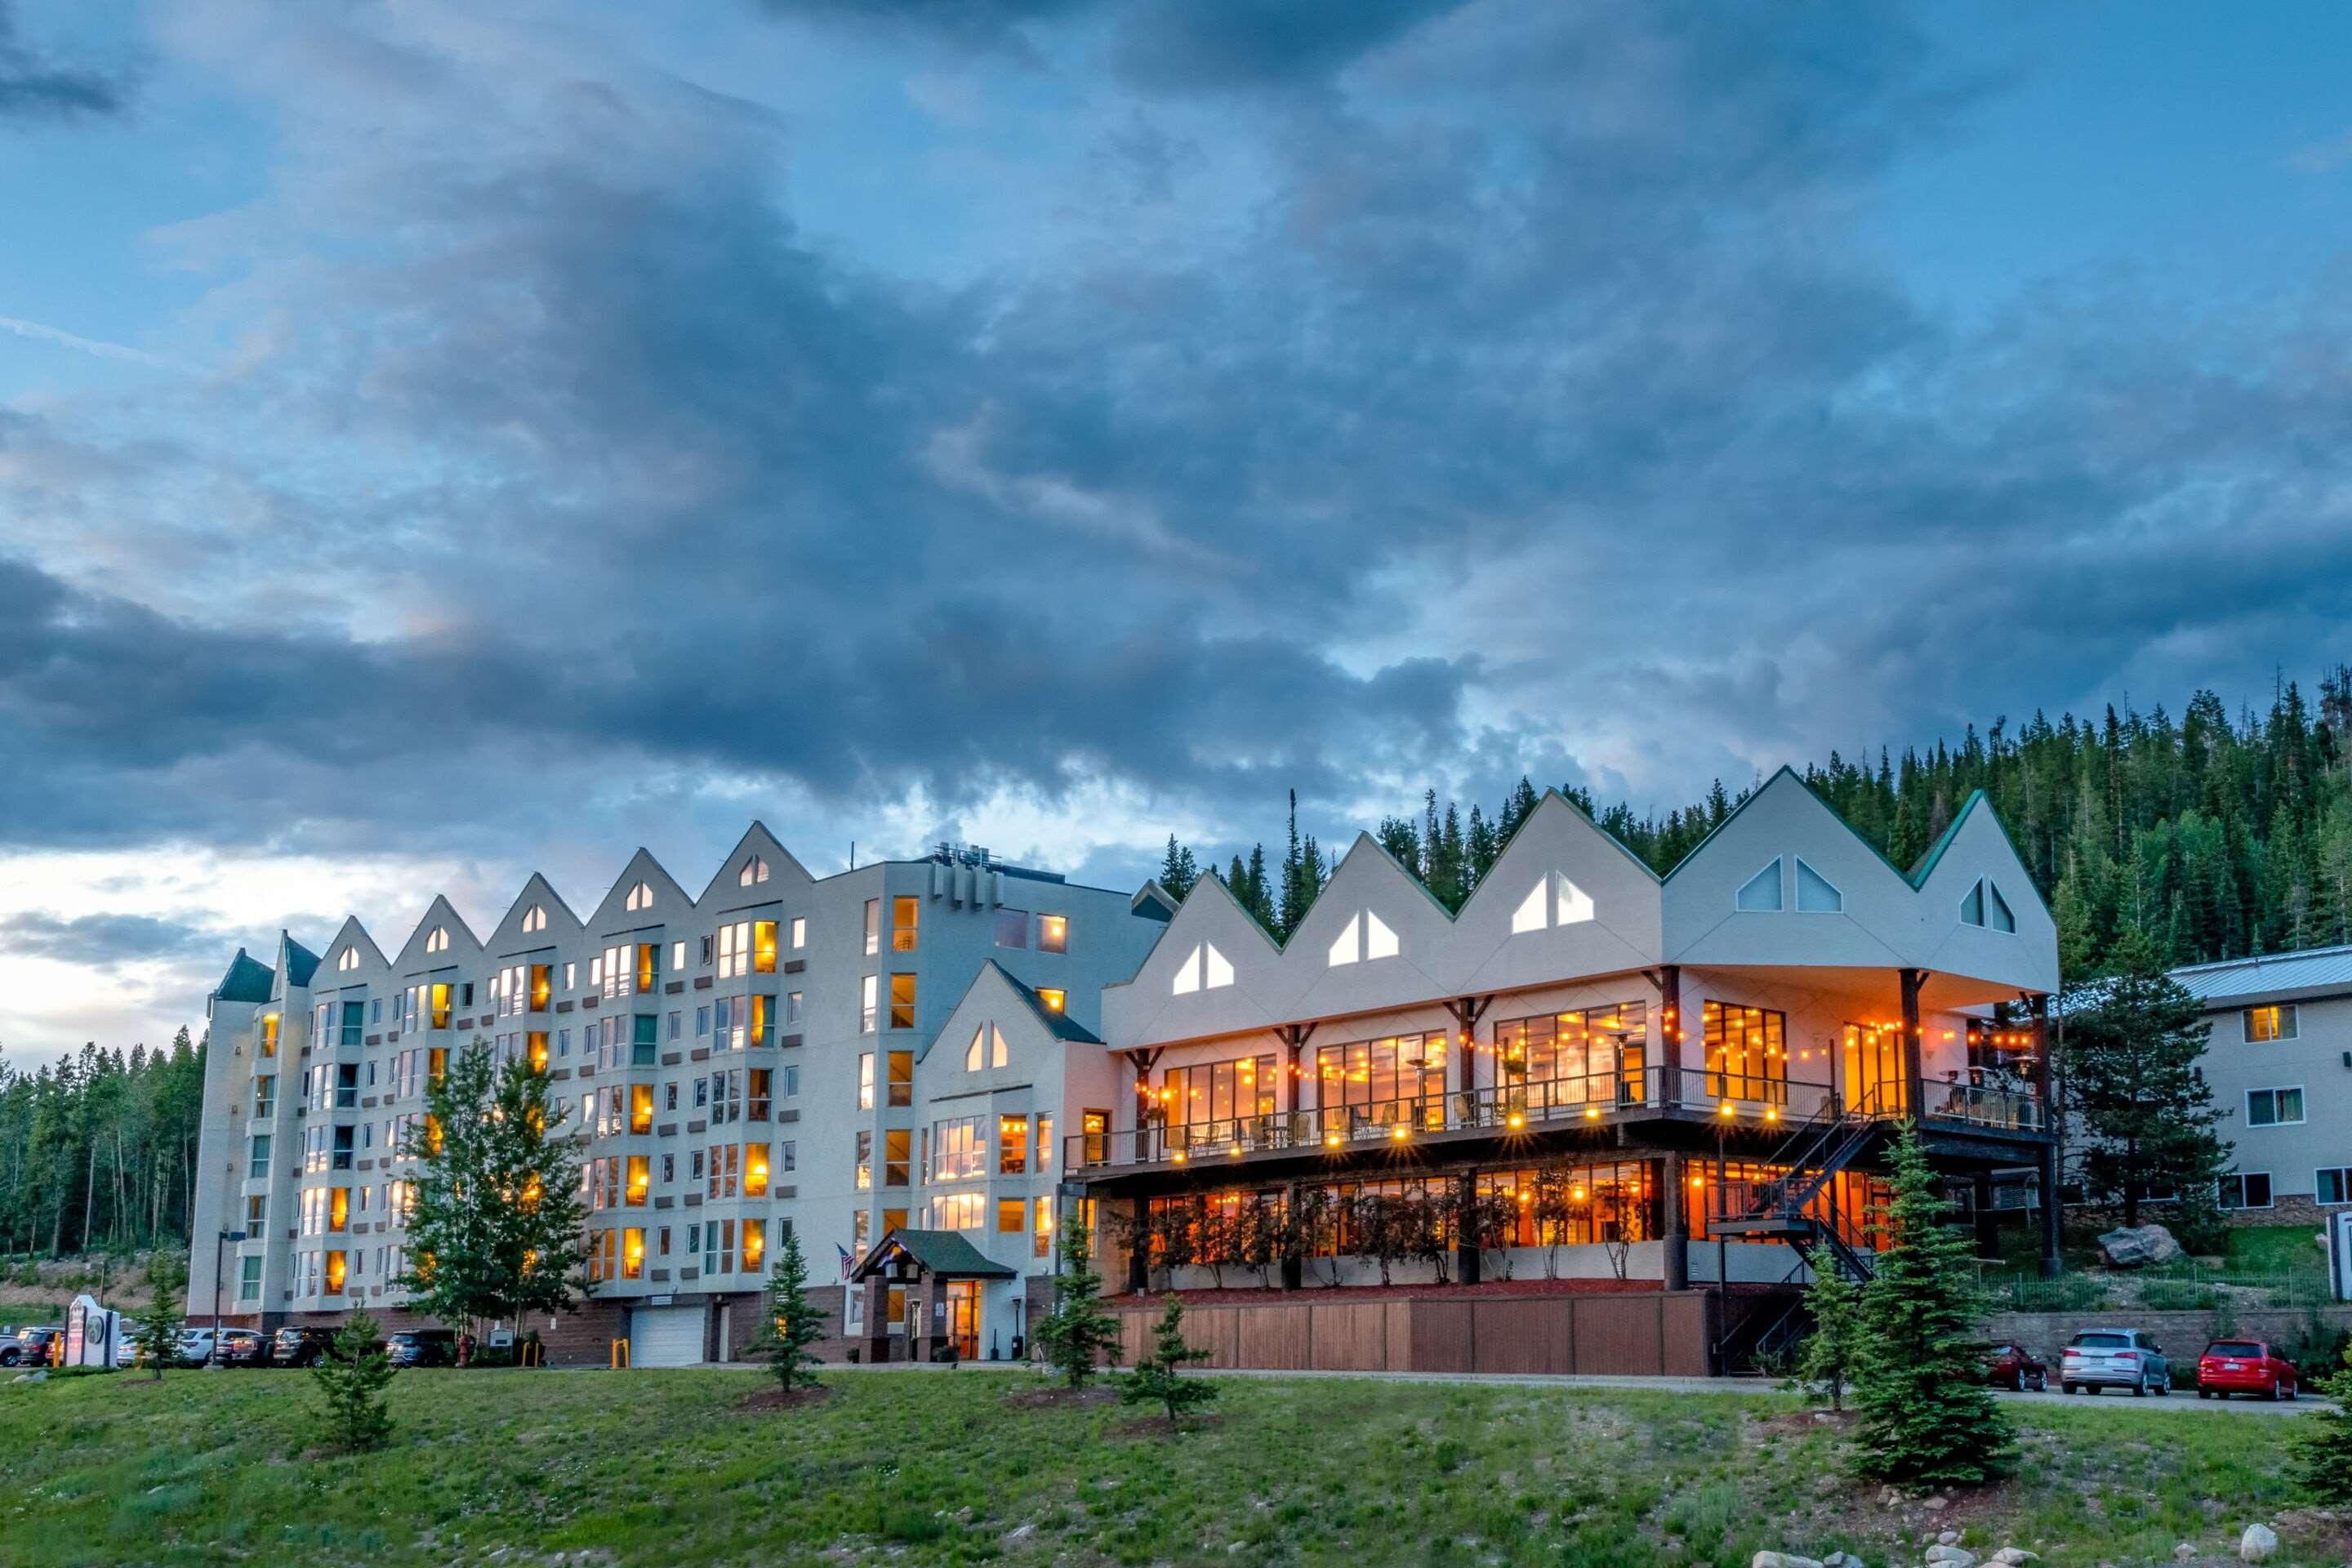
907 1254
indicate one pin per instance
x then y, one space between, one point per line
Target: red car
2011 1366
2244 1366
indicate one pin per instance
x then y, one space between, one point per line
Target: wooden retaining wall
1648 1334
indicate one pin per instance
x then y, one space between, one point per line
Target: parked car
422 1347
2011 1365
30 1347
195 1346
2114 1358
295 1346
2245 1366
241 1347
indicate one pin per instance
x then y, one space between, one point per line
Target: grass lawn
663 1469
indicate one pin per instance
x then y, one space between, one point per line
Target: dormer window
1984 906
1761 894
641 897
349 958
1365 936
1204 969
1816 894
534 917
754 870
438 942
1554 901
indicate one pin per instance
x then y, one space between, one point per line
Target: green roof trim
1758 794
943 1253
1927 866
300 962
248 979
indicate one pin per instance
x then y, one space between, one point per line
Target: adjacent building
752 1056
2279 1063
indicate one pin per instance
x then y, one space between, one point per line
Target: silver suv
2114 1358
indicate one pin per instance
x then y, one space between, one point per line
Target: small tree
1076 1333
351 1379
1159 1375
158 1339
1927 1415
792 1323
1379 1228
1554 1212
1827 1362
2322 1440
498 1228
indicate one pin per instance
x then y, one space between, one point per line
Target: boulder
2137 1246
2258 1544
1783 1560
2013 1557
1951 1556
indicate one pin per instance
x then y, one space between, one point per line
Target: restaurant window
905 915
902 1001
1013 1146
1747 1053
1394 1081
1218 1091
1593 1056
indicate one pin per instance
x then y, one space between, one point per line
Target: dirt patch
1142 1427
1797 1422
1056 1397
774 1398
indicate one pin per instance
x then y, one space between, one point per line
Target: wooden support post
1465 1231
1914 1086
1668 978
1671 1205
1139 1249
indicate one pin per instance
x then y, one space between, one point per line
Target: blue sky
439 441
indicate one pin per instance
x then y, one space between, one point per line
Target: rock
2013 1557
1784 1560
2127 1247
1949 1538
1951 1556
2184 1552
30 1377
1936 1504
2258 1544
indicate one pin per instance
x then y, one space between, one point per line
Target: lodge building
1593 1117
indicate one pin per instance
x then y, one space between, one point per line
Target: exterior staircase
1768 1323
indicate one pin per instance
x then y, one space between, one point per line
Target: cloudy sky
439 440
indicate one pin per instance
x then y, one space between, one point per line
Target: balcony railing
2007 1109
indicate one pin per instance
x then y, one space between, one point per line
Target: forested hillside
98 1151
2218 835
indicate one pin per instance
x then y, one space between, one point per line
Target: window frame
2301 1105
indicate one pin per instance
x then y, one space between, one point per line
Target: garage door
665 1336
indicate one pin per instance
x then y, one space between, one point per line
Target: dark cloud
100 940
33 87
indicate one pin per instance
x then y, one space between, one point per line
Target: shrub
2323 1439
351 1379
1078 1332
1159 1375
792 1323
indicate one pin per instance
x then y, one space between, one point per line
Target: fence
2179 1287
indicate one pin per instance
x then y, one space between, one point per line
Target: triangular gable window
1984 906
1379 940
998 1054
2001 918
1816 894
1343 946
971 1052
1573 905
1188 975
1530 915
1761 895
1204 969
1972 906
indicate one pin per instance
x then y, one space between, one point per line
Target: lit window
1816 895
904 915
972 1053
1053 996
534 918
2274 1023
873 926
1053 934
1379 940
1217 969
1530 915
998 1055
866 1080
1761 895
349 958
641 897
868 1003
902 1001
754 870
902 1077
438 942
799 933
1343 946
1012 1216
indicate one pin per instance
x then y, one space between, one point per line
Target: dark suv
422 1347
301 1347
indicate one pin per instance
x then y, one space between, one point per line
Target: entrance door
1874 1078
963 1317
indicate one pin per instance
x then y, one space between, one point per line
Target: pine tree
1926 1417
1159 1375
1827 1360
2133 1043
1078 1332
793 1323
499 1226
2323 1439
1178 870
158 1339
351 1379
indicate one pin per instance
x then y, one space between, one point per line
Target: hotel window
1012 1147
1220 1092
1011 927
1094 1132
791 1006
249 1280
868 1003
542 981
902 1001
1761 894
755 1244
2246 1190
755 1170
864 1160
354 1025
799 933
644 1040
756 1099
898 1156
641 1107
956 1211
640 1179
1053 934
265 1096
2273 1107
616 970
2281 1022
958 1150
754 870
633 1254
873 926
788 1155
866 1080
702 1023
792 1090
734 948
1045 1145
1041 1233
1384 1082
335 1272
535 1049
641 897
256 1215
726 1166
270 1033
1595 1054
1747 1053
861 1227
347 1086
902 1077
763 947
905 913
719 1246
727 1022
648 967
2333 1185
1012 1216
